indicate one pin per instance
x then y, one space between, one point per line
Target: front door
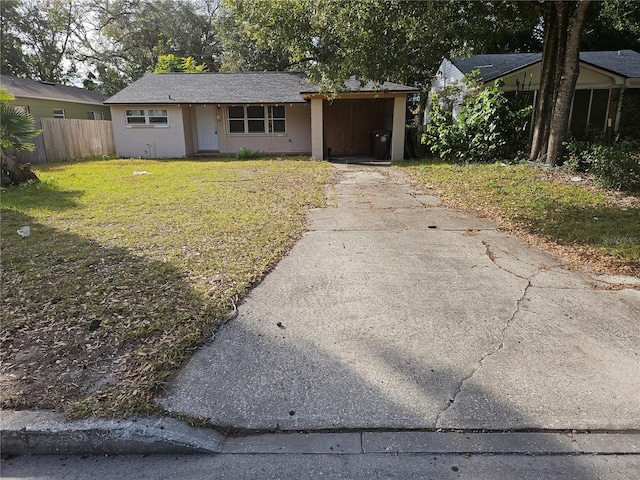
207 127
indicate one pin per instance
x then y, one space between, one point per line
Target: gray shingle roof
492 66
230 88
622 62
25 87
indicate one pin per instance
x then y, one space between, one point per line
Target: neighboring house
49 100
174 115
607 97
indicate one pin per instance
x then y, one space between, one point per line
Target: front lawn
585 224
130 266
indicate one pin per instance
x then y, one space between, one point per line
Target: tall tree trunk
567 84
560 61
544 103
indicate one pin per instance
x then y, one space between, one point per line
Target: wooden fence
67 139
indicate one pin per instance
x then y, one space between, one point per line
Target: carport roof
232 88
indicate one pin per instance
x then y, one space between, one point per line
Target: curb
45 433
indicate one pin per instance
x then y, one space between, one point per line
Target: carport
344 124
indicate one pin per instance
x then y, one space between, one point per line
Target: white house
174 115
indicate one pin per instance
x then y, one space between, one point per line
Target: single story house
607 96
50 100
174 115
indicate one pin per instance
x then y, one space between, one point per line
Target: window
22 108
147 117
236 119
277 120
589 113
256 119
158 117
95 116
58 113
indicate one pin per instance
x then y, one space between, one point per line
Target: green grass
156 258
522 198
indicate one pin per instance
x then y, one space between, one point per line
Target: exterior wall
44 108
190 130
148 141
589 78
296 139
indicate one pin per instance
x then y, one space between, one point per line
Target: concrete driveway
393 312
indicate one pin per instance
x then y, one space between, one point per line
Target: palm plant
16 127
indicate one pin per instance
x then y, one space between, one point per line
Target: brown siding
348 124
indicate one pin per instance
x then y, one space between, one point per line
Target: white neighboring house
174 115
607 93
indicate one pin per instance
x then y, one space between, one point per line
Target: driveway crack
489 354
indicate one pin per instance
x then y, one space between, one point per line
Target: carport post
397 137
317 144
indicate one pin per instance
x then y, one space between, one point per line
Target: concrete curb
47 433
44 433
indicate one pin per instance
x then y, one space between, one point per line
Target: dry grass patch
130 266
587 225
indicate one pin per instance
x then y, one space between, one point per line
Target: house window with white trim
58 113
158 117
277 122
95 116
256 119
147 117
22 108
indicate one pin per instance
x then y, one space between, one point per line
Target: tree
402 41
563 26
240 52
41 37
16 127
171 63
12 61
126 37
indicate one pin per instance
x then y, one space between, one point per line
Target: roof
176 88
623 62
27 88
230 88
492 66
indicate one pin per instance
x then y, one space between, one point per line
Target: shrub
248 154
488 128
616 167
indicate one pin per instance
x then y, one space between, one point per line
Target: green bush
247 154
615 167
488 128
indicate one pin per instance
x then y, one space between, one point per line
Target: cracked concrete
394 312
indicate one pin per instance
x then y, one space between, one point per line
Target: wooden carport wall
399 118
